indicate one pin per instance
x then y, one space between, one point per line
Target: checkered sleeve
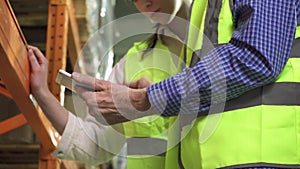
256 54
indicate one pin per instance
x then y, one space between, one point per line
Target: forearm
89 142
196 89
56 113
254 57
39 89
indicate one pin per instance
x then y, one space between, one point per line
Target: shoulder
139 46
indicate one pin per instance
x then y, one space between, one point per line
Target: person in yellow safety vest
259 129
147 141
156 64
146 137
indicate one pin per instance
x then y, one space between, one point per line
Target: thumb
133 85
141 83
84 80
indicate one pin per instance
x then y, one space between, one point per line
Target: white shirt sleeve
117 75
88 141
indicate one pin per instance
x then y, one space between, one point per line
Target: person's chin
162 20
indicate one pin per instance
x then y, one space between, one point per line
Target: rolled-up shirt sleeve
255 56
88 141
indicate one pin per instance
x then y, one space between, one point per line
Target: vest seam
239 166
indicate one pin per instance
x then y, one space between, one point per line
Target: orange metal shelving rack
62 35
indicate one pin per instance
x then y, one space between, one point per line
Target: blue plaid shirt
256 54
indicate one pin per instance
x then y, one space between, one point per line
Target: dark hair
151 41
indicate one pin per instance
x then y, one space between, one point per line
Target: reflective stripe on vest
143 153
280 93
173 141
259 129
147 137
217 17
154 145
195 30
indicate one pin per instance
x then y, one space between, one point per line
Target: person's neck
179 23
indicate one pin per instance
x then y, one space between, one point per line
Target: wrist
139 99
41 94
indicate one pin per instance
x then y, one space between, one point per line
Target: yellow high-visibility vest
261 127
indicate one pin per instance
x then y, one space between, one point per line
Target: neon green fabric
258 134
291 71
173 140
196 28
225 26
145 162
197 25
155 65
297 35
